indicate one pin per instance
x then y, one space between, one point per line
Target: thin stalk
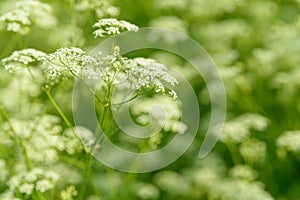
68 123
234 153
25 153
87 174
53 102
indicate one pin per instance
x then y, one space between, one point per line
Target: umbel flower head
138 73
111 26
27 13
67 62
101 8
21 58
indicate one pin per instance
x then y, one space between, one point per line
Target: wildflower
289 141
110 27
101 8
238 129
38 181
243 172
68 62
21 58
147 73
253 151
27 13
69 193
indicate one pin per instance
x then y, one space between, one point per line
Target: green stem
22 144
234 153
87 174
27 159
58 109
63 116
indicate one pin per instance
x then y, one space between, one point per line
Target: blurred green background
255 45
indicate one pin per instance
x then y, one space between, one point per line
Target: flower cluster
243 172
69 193
25 57
44 138
68 62
101 8
110 27
253 151
138 74
238 129
36 179
147 73
289 141
25 14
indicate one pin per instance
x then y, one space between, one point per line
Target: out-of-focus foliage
255 45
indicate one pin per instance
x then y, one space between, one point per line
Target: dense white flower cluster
36 179
8 195
48 139
289 141
137 73
111 26
211 175
253 151
69 193
243 172
147 73
102 8
238 129
27 13
239 189
68 62
21 83
25 57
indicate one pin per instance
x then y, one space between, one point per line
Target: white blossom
68 62
69 193
111 26
25 57
27 13
101 8
289 141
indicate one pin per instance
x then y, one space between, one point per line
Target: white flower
68 62
253 151
26 188
101 8
147 73
26 13
238 129
110 27
290 141
243 172
69 193
44 185
25 57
